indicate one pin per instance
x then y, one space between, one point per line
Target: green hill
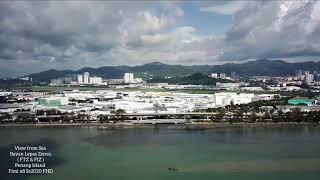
159 70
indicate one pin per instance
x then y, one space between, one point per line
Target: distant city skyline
37 36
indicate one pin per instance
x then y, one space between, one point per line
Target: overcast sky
36 36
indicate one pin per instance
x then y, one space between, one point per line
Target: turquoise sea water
226 153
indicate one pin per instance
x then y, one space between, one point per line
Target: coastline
192 126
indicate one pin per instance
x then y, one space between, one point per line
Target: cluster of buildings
85 78
297 82
105 101
306 76
223 75
128 78
135 103
26 78
305 104
301 81
64 80
253 84
301 77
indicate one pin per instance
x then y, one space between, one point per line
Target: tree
53 112
40 112
295 115
81 117
280 116
65 118
103 118
25 118
252 118
5 116
311 116
220 115
119 114
238 116
187 118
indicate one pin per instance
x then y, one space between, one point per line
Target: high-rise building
128 78
86 78
80 79
298 73
222 75
233 74
309 78
214 75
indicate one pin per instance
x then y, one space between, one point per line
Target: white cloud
73 34
227 8
271 29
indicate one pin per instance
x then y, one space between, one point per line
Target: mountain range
262 67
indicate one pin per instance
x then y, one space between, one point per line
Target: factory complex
106 101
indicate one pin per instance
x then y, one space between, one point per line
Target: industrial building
53 101
226 98
300 101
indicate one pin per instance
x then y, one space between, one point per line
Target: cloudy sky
41 35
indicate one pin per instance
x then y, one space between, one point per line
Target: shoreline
192 126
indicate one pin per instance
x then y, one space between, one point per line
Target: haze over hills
157 69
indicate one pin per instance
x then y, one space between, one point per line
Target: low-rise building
300 101
95 80
53 101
